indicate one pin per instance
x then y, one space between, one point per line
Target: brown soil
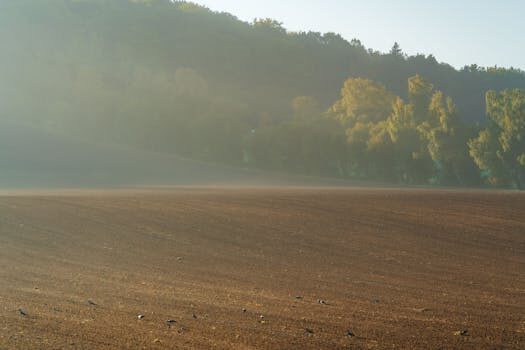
246 269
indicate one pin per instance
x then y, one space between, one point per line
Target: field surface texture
264 268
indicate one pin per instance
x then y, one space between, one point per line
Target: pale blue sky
458 32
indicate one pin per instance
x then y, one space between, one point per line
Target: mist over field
79 77
33 158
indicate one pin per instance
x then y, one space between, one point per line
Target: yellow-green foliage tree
446 138
362 101
499 150
416 142
420 94
412 160
382 130
363 105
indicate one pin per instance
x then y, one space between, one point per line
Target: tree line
369 133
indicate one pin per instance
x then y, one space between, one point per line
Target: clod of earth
462 333
22 312
140 317
92 303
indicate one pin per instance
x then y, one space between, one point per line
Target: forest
176 77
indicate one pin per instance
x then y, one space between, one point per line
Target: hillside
121 44
32 158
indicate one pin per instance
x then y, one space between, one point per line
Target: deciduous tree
499 150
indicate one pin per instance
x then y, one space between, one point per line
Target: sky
458 32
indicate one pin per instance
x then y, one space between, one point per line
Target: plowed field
266 268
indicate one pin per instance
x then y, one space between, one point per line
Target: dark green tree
396 50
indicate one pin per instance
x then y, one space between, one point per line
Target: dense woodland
178 78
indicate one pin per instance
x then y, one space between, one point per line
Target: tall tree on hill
396 50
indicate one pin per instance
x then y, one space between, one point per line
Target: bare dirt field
262 269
